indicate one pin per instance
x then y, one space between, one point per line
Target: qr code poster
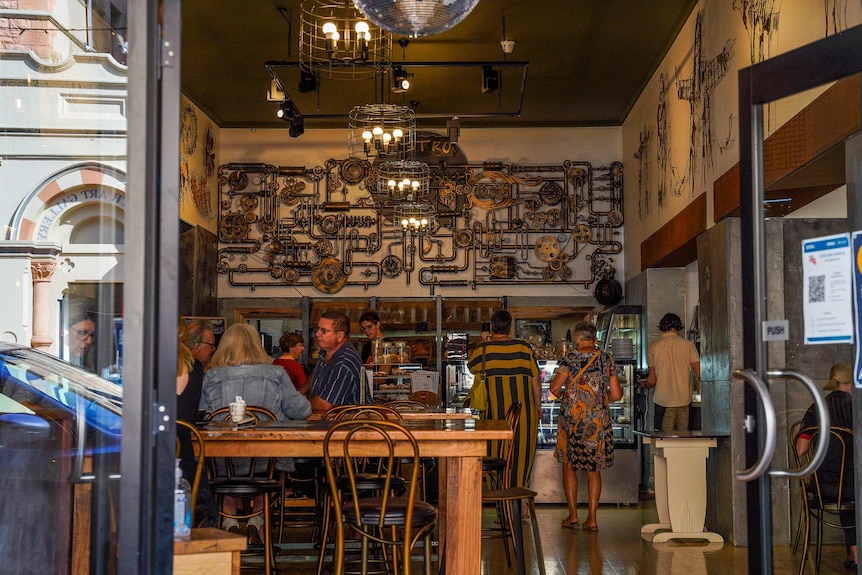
827 271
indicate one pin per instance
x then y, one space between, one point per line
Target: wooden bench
210 551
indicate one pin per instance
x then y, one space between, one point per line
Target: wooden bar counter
459 449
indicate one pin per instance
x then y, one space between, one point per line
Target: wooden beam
675 243
801 151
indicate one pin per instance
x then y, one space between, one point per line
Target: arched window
98 230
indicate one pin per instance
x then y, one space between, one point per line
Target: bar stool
509 499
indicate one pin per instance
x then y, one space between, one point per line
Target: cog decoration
328 226
328 276
391 266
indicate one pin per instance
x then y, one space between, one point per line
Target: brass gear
547 248
582 233
328 276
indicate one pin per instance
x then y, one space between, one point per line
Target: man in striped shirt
336 376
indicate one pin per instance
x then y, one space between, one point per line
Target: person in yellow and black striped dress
512 375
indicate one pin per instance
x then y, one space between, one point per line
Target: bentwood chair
826 502
395 522
246 478
792 435
369 470
406 405
199 464
510 498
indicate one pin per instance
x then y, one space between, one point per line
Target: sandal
590 527
566 524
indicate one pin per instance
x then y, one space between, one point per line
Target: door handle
824 425
762 464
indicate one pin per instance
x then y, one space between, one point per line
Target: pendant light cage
405 181
414 216
338 42
383 131
413 18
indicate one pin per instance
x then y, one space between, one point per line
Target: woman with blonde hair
241 368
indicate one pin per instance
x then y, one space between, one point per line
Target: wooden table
210 551
680 484
459 450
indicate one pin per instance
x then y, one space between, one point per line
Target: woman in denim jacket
240 367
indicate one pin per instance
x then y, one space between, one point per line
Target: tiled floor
616 548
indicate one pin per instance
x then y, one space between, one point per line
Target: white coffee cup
237 411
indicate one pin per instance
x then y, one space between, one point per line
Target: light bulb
377 132
387 138
415 184
366 136
404 222
397 133
329 29
405 84
424 222
362 29
405 182
391 184
331 33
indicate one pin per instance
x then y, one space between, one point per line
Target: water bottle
182 506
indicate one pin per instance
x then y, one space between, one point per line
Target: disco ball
414 18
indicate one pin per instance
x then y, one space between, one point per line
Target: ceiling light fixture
337 42
415 18
490 79
288 112
400 80
385 131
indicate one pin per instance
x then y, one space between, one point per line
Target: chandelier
404 180
414 18
384 131
337 42
414 216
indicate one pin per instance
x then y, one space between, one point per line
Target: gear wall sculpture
329 226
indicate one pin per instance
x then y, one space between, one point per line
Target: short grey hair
585 330
197 329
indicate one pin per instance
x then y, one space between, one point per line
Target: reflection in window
100 230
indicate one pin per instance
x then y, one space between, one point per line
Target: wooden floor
616 548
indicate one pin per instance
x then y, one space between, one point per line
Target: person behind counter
292 346
585 436
241 367
369 323
512 374
840 405
336 376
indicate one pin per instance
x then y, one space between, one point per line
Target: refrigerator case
619 482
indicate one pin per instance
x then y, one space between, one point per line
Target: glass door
91 117
776 353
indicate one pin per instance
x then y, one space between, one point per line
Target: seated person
840 406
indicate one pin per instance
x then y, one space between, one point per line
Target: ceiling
588 62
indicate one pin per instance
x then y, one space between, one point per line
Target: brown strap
484 374
583 369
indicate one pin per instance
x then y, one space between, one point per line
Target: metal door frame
807 67
151 301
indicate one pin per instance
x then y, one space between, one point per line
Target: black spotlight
307 82
400 81
297 126
490 79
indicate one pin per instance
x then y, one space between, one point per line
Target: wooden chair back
199 464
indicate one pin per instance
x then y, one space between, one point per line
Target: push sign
777 330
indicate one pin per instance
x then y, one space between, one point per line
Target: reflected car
60 429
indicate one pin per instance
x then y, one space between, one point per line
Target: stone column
42 270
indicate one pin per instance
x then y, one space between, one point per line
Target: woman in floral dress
587 382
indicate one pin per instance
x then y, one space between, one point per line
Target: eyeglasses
366 327
325 331
84 335
206 343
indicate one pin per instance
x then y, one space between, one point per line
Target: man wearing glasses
336 376
201 342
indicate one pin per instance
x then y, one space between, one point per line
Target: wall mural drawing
643 172
696 90
195 184
662 149
760 19
330 226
